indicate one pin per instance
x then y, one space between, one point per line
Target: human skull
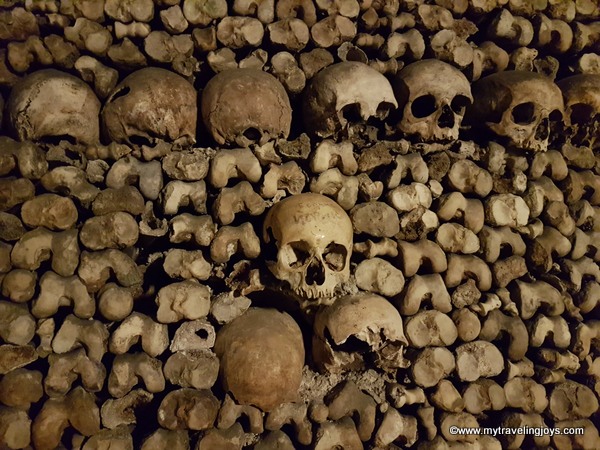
581 94
50 104
314 244
517 105
262 356
357 330
344 94
246 106
433 96
151 104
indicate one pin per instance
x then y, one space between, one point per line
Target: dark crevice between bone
120 93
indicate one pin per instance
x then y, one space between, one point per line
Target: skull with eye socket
346 98
521 107
432 97
150 105
581 94
246 106
313 235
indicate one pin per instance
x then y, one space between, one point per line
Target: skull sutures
49 104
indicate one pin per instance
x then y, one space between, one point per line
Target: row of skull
427 100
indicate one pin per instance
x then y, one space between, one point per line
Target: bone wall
298 224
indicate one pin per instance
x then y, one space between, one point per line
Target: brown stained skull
314 244
246 106
433 96
50 104
358 330
343 95
581 94
151 104
519 106
261 358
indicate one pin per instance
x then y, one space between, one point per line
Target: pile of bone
297 224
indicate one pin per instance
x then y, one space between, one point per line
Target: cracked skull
50 105
246 106
314 244
151 104
343 95
519 106
433 97
581 94
357 330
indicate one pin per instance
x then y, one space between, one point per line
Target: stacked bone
165 262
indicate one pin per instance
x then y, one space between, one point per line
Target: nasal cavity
315 273
543 130
446 119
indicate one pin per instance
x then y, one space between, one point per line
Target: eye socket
423 106
459 104
300 252
555 116
351 113
383 110
252 134
581 113
335 257
524 114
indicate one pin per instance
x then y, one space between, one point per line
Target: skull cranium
344 94
53 104
262 356
432 96
519 106
582 106
314 244
357 330
246 106
151 104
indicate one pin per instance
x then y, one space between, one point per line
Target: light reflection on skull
314 244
